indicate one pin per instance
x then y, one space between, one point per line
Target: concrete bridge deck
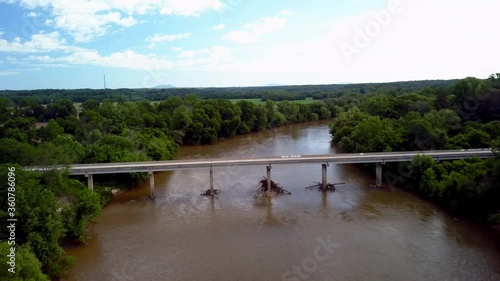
379 158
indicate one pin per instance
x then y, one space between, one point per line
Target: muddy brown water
356 233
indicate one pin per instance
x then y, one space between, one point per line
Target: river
358 232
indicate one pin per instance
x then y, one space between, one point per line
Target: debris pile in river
209 193
274 187
329 186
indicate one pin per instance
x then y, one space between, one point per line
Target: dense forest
465 115
275 93
123 125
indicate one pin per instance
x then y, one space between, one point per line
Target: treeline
275 93
465 115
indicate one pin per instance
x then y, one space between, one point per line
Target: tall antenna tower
104 81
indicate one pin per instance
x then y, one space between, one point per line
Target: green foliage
13 151
5 110
342 127
70 147
157 145
28 267
51 131
374 134
50 208
465 115
82 207
20 128
42 225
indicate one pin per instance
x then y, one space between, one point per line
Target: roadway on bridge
346 158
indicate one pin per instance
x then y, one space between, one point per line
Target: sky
69 44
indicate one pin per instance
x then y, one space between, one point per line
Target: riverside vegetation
54 209
465 115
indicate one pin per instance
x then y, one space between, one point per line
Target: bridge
379 158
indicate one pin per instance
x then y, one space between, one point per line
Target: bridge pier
378 182
90 181
324 180
268 168
212 193
151 185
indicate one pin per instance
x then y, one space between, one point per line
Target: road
347 158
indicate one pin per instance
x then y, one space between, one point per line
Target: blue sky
218 43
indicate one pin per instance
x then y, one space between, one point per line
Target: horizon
235 43
157 87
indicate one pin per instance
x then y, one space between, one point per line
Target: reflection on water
382 234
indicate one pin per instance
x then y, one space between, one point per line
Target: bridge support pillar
212 193
151 185
324 180
90 182
378 182
268 168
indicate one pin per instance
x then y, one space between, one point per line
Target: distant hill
168 86
274 85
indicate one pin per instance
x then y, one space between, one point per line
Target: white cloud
253 31
188 8
42 42
9 73
127 59
187 54
32 15
204 58
286 13
219 26
85 27
445 44
159 38
87 19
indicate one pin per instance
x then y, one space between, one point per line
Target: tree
13 151
90 105
157 145
441 101
344 124
261 118
248 117
60 109
375 135
20 128
70 147
37 211
28 267
5 110
51 131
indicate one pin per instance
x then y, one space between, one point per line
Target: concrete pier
379 175
151 185
268 168
324 179
90 182
212 193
